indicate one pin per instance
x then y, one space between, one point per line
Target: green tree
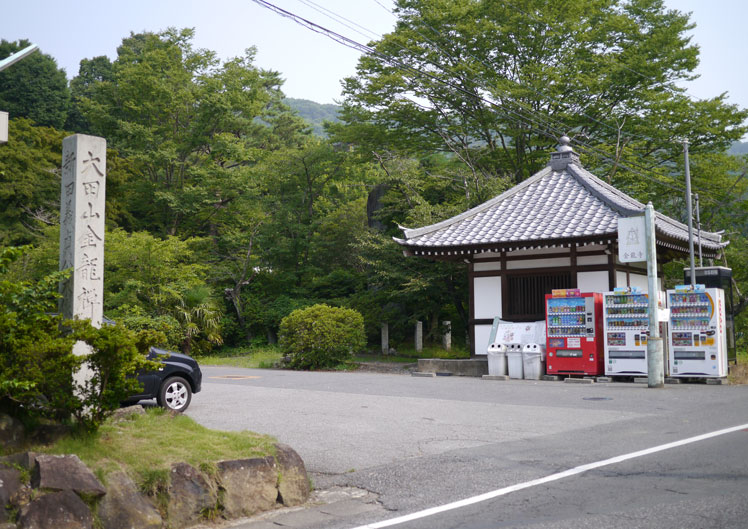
200 318
496 83
189 126
160 285
29 181
34 88
90 73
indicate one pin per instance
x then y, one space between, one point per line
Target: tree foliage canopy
497 83
225 214
34 88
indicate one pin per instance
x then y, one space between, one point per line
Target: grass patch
409 354
146 446
271 355
384 358
254 357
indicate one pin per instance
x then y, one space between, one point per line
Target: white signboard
522 333
3 127
632 240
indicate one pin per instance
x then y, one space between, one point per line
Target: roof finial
565 155
565 142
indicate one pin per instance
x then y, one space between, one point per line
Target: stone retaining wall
63 492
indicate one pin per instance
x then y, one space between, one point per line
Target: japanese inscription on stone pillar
82 226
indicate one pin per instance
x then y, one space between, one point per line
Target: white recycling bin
533 360
497 359
514 360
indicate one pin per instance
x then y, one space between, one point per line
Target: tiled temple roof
561 202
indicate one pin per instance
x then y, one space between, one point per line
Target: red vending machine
574 332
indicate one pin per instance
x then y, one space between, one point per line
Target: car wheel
175 394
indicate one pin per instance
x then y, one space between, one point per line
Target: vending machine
697 337
626 328
573 333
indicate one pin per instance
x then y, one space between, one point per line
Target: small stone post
419 336
447 337
82 202
385 339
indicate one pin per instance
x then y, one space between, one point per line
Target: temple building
557 229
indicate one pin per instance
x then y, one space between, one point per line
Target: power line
585 148
340 19
518 117
531 88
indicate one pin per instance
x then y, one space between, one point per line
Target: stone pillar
447 337
419 336
385 339
82 235
82 226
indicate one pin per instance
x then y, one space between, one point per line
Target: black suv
173 384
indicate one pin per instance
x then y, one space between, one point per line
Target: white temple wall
593 281
487 295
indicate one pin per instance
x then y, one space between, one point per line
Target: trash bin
533 360
497 359
514 360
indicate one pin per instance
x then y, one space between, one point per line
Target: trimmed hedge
321 336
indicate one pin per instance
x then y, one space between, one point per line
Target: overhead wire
548 118
340 19
531 88
517 116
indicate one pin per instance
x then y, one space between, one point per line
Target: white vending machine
697 338
625 331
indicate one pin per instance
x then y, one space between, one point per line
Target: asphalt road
417 443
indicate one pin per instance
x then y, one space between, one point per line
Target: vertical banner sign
632 239
82 226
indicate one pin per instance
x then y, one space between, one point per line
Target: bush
37 361
321 336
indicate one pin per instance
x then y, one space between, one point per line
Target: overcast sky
311 64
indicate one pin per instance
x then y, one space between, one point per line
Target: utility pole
689 212
655 362
698 227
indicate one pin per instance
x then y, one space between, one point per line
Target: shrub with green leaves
37 361
321 336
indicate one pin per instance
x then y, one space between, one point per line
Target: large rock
124 508
10 484
25 460
65 473
249 485
12 433
190 494
58 510
126 413
293 482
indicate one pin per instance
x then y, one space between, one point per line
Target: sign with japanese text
632 239
82 226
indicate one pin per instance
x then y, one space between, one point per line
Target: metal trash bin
514 360
533 360
497 359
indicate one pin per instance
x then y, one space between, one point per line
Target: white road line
553 477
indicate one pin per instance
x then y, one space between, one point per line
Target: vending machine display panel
574 333
626 328
697 336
